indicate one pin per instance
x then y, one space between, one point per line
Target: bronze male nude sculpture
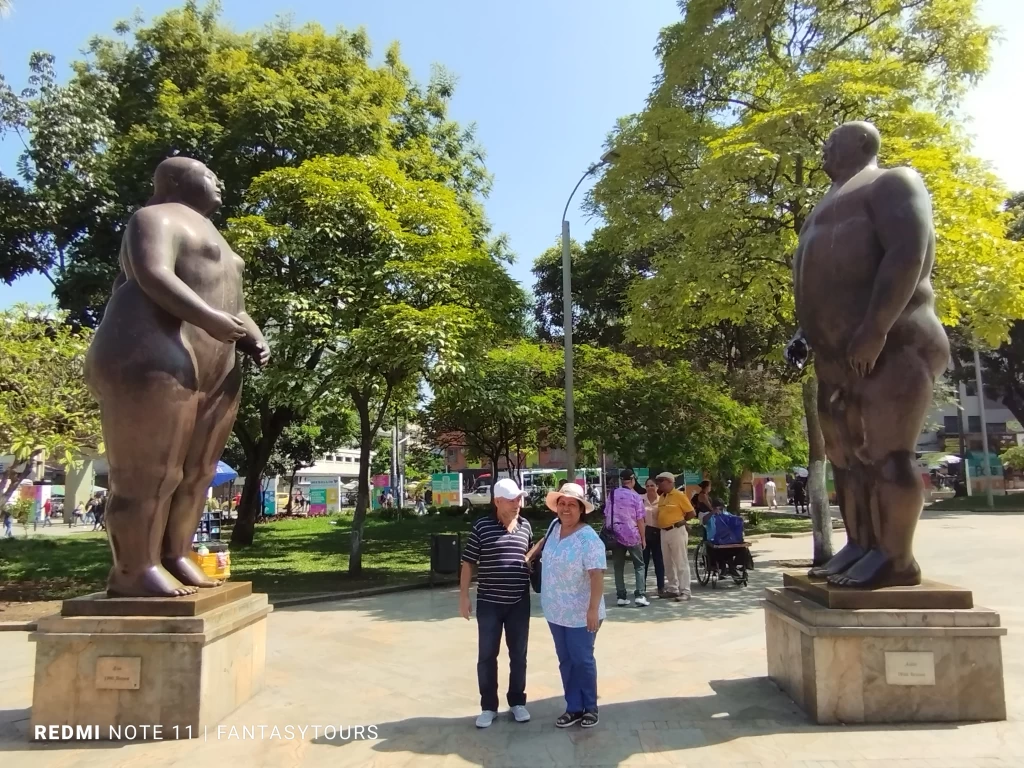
163 367
866 308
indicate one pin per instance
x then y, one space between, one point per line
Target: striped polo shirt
500 557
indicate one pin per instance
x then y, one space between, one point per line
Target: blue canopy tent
224 474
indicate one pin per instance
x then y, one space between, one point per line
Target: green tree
669 415
245 104
422 461
1015 207
1013 457
499 406
601 278
1002 365
717 175
46 411
370 277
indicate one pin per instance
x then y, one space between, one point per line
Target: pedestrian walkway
680 684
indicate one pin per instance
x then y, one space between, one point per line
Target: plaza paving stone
680 684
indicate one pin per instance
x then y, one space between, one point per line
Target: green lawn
288 557
978 503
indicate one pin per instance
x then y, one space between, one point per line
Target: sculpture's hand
864 350
224 327
260 352
797 351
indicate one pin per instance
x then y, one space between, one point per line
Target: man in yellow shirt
674 509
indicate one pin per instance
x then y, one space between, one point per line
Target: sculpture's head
850 148
187 181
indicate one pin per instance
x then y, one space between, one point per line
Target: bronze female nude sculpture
864 301
164 370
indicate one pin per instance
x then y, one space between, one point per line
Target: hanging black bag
535 571
607 533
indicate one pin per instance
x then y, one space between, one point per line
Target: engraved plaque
910 668
118 672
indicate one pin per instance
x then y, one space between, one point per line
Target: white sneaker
520 714
622 602
485 718
642 600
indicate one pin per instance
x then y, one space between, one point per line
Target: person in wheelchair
723 549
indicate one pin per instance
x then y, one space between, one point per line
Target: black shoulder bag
608 531
535 571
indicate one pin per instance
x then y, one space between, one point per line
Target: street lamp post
986 470
570 416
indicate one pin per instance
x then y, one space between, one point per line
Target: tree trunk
821 514
12 478
961 471
734 495
291 491
249 505
366 435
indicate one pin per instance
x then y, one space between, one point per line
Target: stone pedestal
184 665
885 664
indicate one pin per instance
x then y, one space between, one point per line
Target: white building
942 430
342 463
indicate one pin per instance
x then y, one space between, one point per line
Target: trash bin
445 554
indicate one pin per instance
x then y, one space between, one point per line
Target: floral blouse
565 585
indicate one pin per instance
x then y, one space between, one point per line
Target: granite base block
182 673
833 663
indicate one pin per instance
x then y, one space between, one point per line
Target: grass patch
293 556
779 525
978 503
53 569
311 555
288 557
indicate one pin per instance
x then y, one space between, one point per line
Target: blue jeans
491 619
575 649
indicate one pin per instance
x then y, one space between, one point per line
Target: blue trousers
575 649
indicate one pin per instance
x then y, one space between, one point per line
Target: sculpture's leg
213 426
832 415
896 398
147 426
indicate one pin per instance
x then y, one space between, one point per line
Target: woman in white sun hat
572 597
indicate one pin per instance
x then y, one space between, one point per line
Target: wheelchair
713 562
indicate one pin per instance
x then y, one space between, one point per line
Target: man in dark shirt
497 546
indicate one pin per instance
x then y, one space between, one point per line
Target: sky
543 81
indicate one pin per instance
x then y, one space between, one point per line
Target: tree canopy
719 172
244 103
368 279
354 198
500 406
46 411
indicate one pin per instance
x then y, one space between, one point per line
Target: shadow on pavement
739 708
441 604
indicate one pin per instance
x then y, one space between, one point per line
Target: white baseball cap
506 488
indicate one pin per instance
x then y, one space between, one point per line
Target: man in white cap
673 511
497 546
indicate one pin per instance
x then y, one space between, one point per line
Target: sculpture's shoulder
894 184
155 220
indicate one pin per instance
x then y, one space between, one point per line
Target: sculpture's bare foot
151 582
187 572
875 570
840 562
